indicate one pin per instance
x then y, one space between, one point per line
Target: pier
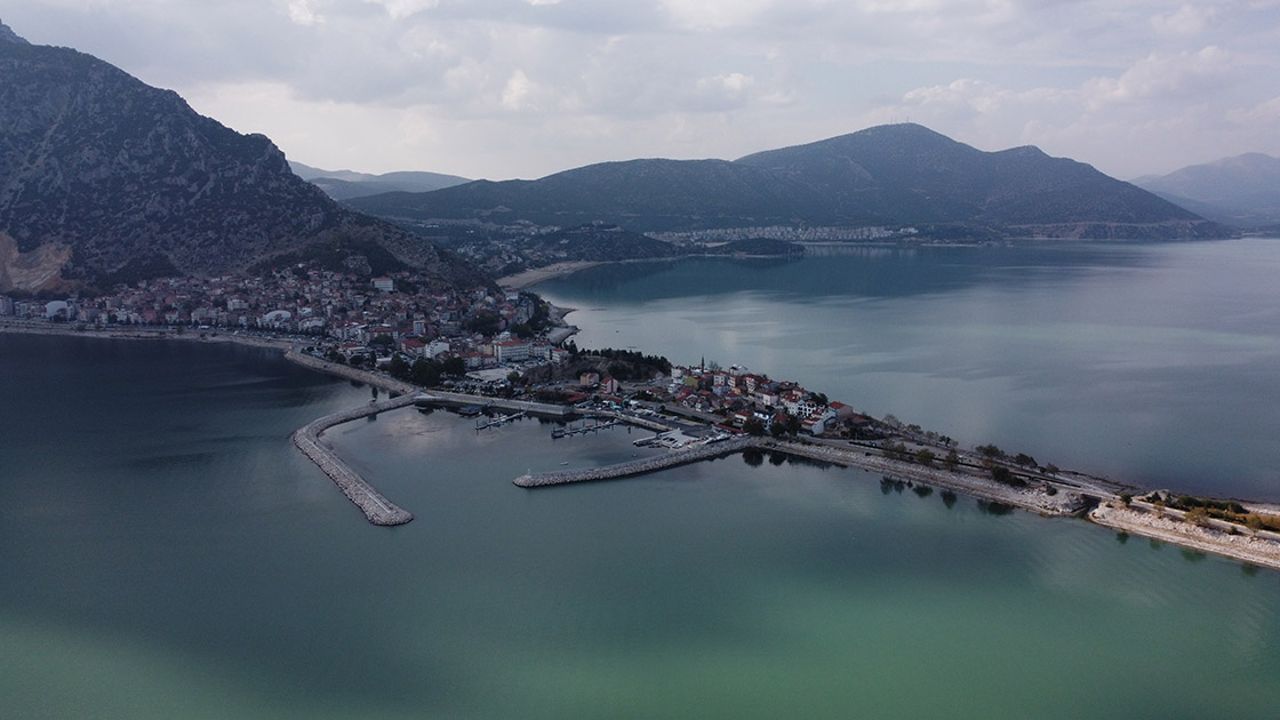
642 466
378 509
585 428
485 423
440 397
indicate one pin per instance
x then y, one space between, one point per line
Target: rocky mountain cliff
888 175
105 178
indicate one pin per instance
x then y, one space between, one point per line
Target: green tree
454 367
753 426
953 460
925 457
425 373
399 367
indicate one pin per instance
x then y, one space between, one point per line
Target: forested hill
888 175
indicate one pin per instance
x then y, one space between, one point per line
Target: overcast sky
523 88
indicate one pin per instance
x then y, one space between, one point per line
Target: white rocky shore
1260 548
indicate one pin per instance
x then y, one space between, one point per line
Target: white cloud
527 87
515 94
302 12
1186 20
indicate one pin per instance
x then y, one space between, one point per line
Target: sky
525 88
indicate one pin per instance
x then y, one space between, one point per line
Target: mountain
347 184
104 178
597 242
891 175
1243 191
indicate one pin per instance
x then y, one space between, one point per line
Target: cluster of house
744 397
361 317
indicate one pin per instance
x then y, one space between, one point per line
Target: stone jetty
1035 500
378 509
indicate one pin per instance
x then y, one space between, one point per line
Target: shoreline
1242 546
528 278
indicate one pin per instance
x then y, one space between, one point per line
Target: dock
376 508
486 423
452 399
630 468
585 428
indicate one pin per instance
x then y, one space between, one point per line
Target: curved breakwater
378 509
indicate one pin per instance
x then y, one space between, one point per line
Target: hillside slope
888 175
1243 191
104 178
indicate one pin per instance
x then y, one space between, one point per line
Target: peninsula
699 413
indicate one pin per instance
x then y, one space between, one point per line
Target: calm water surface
166 553
1157 364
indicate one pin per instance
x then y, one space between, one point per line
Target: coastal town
487 349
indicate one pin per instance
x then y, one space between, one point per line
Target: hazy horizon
526 88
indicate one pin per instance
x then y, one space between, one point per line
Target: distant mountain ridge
105 178
347 184
893 175
1242 191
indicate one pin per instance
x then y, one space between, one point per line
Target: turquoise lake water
167 553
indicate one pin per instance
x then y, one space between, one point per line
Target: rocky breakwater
378 509
1034 499
1256 547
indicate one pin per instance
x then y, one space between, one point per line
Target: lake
1156 364
168 553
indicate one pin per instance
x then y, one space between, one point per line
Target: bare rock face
136 183
39 270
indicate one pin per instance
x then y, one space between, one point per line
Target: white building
511 351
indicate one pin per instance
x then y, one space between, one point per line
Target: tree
425 373
1197 516
399 367
513 377
793 424
953 460
454 367
925 457
753 426
990 452
777 430
1025 460
1004 476
484 322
